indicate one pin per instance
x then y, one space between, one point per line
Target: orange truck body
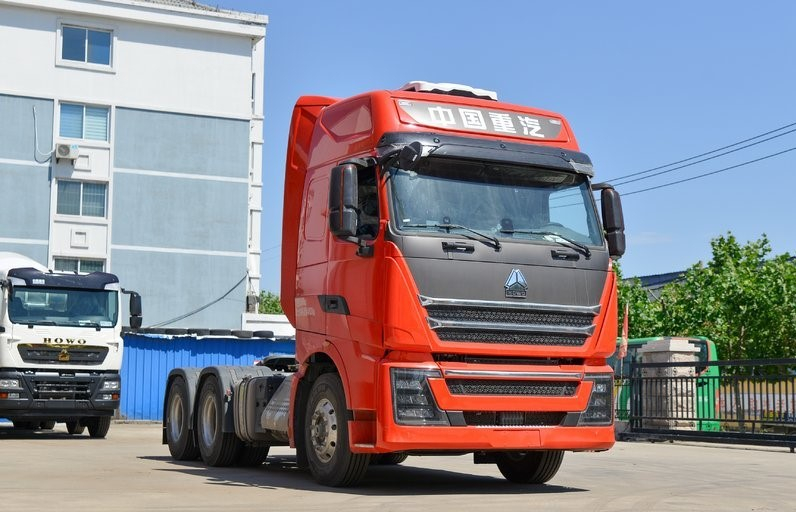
368 314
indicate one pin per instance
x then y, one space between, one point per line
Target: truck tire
252 456
179 436
535 467
75 428
329 455
388 459
47 425
98 427
217 448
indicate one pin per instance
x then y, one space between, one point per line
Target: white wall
154 66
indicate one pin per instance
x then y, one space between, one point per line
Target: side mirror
135 309
409 155
343 221
613 221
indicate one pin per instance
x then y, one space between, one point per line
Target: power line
201 308
708 152
698 161
624 194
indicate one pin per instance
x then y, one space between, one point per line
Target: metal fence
745 402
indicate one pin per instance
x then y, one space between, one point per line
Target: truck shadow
281 472
9 432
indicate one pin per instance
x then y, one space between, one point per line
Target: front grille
509 338
510 323
45 389
513 419
508 316
511 387
63 355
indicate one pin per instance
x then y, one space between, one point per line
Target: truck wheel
179 436
47 425
75 427
326 436
98 427
217 448
535 467
389 459
252 456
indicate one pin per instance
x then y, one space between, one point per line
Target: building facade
131 142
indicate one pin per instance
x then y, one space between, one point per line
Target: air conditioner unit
68 151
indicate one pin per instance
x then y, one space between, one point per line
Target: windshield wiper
483 237
572 243
95 325
31 323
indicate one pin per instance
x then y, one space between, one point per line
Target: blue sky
642 84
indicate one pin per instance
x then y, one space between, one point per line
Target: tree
743 299
644 314
270 304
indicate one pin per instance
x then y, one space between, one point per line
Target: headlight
9 383
412 400
600 410
111 385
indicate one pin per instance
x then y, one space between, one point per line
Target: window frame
82 215
88 26
79 261
82 137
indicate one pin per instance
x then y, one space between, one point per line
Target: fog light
600 409
106 397
412 400
9 383
4 395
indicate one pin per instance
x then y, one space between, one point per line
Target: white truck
60 346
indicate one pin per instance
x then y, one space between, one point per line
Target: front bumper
59 396
475 419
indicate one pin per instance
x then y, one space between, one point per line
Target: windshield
63 307
503 201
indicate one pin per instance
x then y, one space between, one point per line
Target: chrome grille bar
426 301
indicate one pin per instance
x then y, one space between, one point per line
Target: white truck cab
60 346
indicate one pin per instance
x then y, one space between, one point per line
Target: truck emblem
516 285
64 356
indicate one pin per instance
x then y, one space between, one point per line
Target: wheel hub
323 430
208 431
175 417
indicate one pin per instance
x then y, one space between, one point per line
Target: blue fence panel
148 359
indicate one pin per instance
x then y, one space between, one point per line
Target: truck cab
444 257
60 346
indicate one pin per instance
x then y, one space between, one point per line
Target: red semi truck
450 282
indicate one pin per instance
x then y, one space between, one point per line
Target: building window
87 45
84 121
81 198
78 265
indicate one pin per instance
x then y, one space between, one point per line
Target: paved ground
131 470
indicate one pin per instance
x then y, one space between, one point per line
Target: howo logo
516 286
64 341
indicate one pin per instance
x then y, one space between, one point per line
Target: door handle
563 254
465 247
